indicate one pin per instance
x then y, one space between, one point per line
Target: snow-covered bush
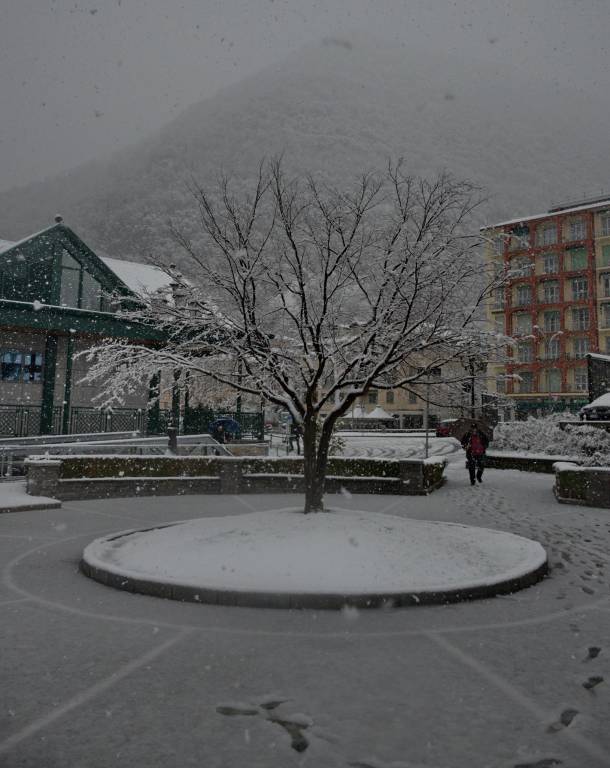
590 445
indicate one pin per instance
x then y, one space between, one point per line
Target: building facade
555 304
58 298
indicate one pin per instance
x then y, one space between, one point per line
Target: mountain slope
337 108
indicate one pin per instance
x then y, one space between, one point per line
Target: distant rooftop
602 197
574 207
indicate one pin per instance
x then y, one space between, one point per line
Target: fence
197 421
107 420
24 421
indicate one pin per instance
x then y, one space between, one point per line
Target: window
553 380
605 256
20 366
580 288
519 239
373 396
552 321
11 366
91 293
577 258
550 263
524 295
546 234
389 397
552 349
527 382
522 323
500 385
412 398
605 224
608 345
550 291
522 264
581 346
498 244
580 319
498 296
606 285
78 287
525 352
70 280
581 382
606 315
576 229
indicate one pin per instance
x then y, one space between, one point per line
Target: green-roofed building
57 298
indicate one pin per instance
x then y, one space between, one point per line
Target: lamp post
426 419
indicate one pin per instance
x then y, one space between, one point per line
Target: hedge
190 466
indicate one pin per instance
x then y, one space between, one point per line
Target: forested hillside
337 108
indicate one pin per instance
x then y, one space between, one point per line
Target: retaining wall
99 477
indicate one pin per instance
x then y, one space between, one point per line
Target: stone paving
96 677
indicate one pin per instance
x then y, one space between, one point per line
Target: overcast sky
79 78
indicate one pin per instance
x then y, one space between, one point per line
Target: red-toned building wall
562 247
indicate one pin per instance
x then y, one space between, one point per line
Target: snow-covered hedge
590 445
189 466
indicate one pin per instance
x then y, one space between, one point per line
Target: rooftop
139 278
557 210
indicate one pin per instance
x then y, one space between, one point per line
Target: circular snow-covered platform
286 559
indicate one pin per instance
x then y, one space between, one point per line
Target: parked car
598 410
443 428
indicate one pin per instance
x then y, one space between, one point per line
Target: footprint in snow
293 725
592 652
565 719
592 682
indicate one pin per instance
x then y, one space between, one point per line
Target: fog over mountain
338 108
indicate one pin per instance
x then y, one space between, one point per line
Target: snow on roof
378 413
355 413
601 401
6 245
551 214
597 356
140 278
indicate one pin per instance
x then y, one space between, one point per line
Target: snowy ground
398 446
97 677
13 496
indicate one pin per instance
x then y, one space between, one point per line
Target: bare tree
319 294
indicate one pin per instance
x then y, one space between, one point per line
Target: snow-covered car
598 410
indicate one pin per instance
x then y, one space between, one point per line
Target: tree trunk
314 480
315 453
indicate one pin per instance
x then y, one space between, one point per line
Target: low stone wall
247 449
589 486
535 463
95 477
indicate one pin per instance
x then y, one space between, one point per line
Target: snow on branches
308 296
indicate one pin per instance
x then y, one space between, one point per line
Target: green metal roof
47 314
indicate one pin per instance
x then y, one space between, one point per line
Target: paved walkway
93 677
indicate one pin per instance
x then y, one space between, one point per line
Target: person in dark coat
475 444
218 433
294 436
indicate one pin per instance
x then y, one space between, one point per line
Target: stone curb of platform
310 600
29 507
